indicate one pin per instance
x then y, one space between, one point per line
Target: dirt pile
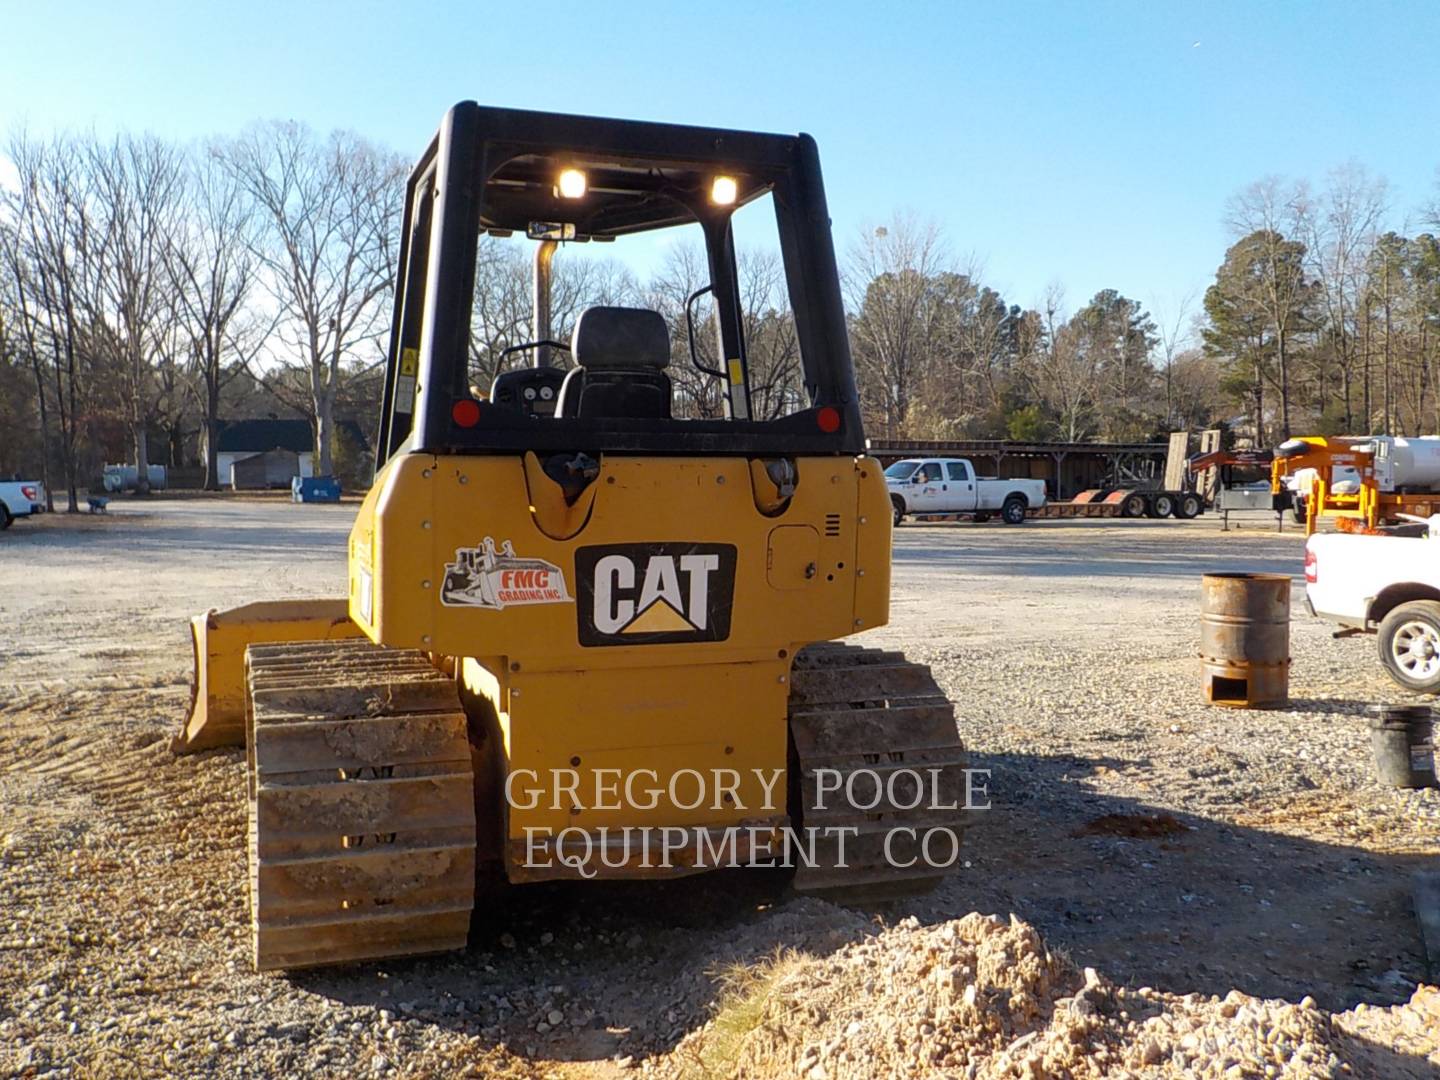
980 997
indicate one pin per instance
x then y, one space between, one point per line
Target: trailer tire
1409 643
897 505
1162 505
1188 506
1135 505
1012 511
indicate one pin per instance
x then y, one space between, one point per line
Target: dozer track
362 813
872 715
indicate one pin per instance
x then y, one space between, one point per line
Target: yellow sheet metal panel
872 547
646 632
793 560
672 557
362 561
217 703
668 720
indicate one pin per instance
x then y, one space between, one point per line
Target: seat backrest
621 354
616 337
631 392
533 391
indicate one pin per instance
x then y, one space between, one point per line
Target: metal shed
272 469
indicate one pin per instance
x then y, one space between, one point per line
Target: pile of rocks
984 997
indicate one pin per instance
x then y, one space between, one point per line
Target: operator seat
620 357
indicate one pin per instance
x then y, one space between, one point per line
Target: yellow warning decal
737 373
409 361
658 618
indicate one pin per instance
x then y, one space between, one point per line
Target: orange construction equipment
1359 503
1322 455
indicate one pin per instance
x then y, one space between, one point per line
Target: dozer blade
884 720
219 638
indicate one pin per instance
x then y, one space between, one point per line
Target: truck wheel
5 518
898 505
1134 505
1409 642
1012 511
980 519
1188 506
1298 511
1162 505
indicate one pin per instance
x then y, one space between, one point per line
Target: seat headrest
617 337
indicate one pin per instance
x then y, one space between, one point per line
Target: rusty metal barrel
1245 640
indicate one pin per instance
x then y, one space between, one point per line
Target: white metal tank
1403 464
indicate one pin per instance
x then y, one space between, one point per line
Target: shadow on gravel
1150 897
1356 706
1184 903
1107 559
629 968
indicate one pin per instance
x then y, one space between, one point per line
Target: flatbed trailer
1106 503
1125 502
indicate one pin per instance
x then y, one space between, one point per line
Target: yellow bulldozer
589 633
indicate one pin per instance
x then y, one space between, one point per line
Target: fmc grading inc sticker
485 578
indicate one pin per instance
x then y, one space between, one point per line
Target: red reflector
465 412
1312 567
828 419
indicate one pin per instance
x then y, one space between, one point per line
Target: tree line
1327 317
150 290
1323 318
139 279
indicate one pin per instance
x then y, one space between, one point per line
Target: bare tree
331 214
1195 388
1064 374
986 336
21 331
1340 229
1173 328
500 312
212 271
138 195
52 259
683 271
889 281
1272 216
772 348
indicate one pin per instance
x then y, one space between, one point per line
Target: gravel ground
1185 850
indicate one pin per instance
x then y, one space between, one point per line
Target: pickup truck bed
20 498
1383 585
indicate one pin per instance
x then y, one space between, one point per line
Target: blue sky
1090 144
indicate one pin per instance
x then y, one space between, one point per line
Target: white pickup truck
924 486
20 498
1384 585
